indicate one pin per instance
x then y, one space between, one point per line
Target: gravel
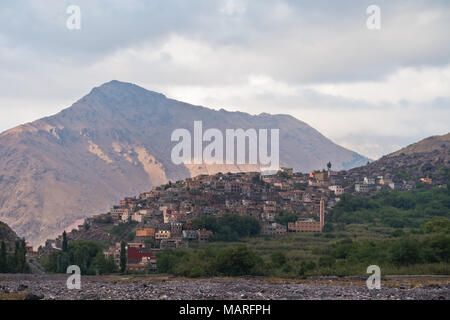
51 287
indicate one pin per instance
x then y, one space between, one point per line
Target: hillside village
162 218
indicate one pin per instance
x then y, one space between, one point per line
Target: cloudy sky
372 91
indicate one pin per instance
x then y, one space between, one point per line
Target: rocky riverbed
50 287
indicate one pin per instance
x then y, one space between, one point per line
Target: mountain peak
120 94
117 87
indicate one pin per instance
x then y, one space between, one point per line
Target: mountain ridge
7 234
114 142
428 144
422 159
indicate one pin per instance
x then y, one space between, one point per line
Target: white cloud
418 85
370 91
232 7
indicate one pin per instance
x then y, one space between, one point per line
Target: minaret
322 214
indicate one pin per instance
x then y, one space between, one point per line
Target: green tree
205 222
62 262
228 227
225 233
278 258
306 267
11 263
328 227
238 261
88 255
326 261
329 165
168 259
406 252
123 257
123 230
103 265
23 257
284 217
437 225
3 258
397 209
131 236
20 257
64 241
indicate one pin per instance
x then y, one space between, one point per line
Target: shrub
88 255
228 227
437 225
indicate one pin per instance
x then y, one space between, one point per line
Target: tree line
14 262
346 257
209 262
88 255
396 209
228 227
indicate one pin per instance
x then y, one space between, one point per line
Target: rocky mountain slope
426 158
427 146
115 142
6 233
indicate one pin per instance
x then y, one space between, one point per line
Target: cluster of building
164 215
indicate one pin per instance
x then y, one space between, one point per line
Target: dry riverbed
51 287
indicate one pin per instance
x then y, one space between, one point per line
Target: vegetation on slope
396 209
12 251
411 254
228 227
14 262
402 232
88 255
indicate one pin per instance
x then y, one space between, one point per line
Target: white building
362 188
338 190
369 181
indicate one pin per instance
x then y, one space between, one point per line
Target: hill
6 233
428 145
428 158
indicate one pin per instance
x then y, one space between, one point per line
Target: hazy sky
373 91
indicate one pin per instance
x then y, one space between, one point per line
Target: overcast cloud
372 91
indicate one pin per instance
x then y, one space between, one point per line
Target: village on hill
163 217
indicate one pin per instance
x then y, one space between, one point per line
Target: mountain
424 159
6 233
439 144
115 142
